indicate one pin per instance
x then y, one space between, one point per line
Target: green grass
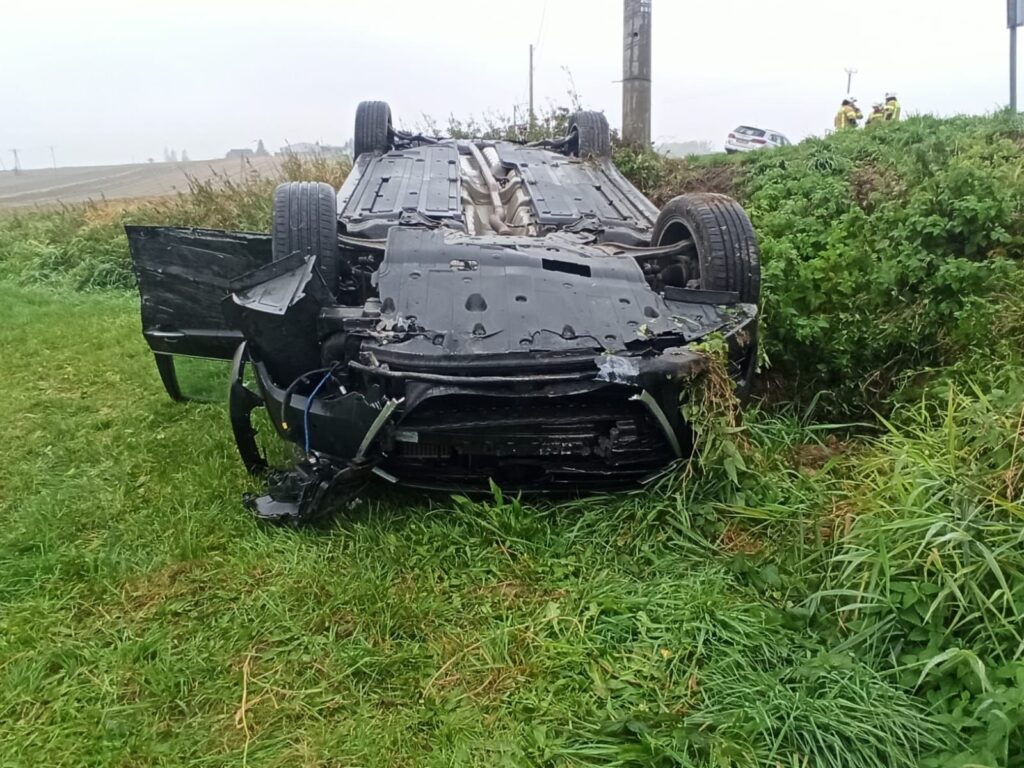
143 613
814 594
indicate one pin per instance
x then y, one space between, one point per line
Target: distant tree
261 151
685 148
184 155
174 155
167 155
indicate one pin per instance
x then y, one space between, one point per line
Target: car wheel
374 131
306 220
589 135
731 151
724 257
727 257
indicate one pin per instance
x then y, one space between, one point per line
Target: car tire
306 220
374 131
728 256
589 135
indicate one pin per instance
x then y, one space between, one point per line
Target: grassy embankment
820 594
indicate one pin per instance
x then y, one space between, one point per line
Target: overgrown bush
84 247
886 249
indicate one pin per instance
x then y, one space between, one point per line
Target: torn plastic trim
242 401
376 427
337 422
663 422
299 494
437 378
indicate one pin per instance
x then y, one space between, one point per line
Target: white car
746 139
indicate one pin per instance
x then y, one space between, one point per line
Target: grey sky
109 82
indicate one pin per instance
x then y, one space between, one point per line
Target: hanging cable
309 404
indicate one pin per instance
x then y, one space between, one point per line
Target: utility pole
1013 69
532 117
849 79
17 163
636 73
1014 18
53 158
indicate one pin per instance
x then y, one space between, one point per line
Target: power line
533 48
540 27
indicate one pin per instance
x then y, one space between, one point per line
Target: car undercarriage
460 312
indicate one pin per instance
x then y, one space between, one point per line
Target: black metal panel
565 190
183 275
422 181
463 297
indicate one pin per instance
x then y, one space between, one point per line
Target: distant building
305 149
239 154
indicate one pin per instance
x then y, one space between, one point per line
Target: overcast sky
107 82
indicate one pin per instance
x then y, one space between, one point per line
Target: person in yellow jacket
877 115
893 110
848 115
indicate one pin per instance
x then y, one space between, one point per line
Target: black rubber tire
373 128
592 136
727 252
306 220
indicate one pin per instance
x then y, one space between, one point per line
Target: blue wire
309 404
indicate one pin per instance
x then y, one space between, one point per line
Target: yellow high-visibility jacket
876 117
847 117
893 110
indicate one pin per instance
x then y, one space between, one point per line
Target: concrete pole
1013 69
532 116
636 73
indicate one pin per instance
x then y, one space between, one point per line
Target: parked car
746 138
460 311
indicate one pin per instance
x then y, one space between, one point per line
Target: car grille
541 443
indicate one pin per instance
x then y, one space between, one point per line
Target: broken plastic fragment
617 370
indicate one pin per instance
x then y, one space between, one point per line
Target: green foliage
894 248
83 247
906 548
549 122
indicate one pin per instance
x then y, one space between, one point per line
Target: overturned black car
460 311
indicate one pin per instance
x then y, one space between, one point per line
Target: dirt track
48 187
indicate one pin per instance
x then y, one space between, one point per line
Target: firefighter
857 114
893 110
848 115
877 115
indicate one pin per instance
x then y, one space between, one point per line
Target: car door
184 275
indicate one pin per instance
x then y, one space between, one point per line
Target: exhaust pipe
497 217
